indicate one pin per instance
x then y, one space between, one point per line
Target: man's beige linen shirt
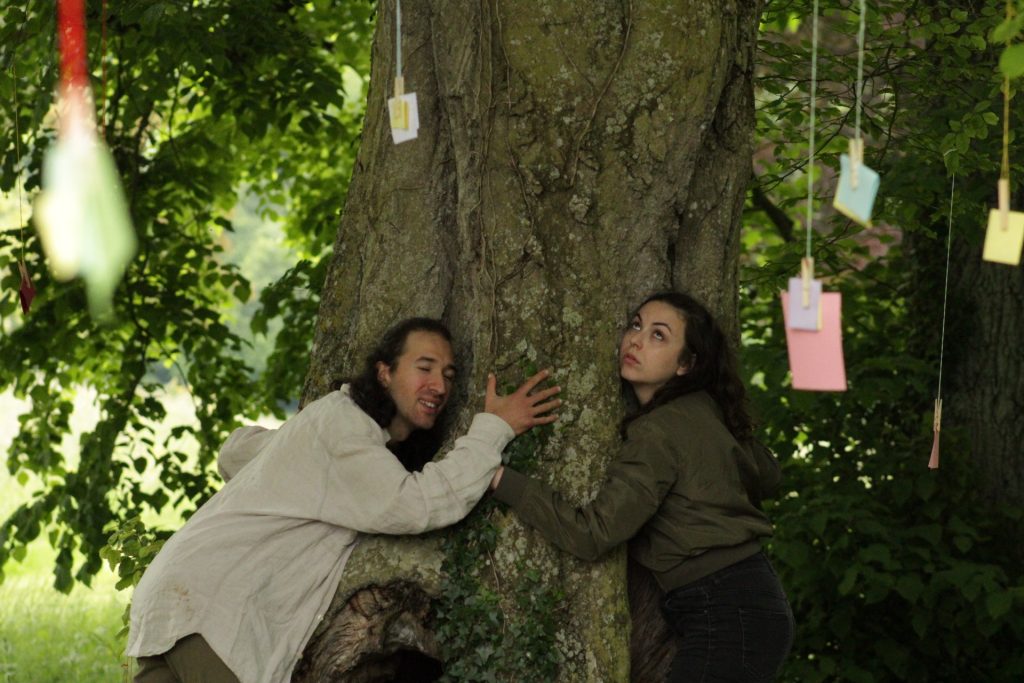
256 566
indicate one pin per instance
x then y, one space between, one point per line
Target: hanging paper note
402 110
1003 245
803 317
82 214
855 196
1005 235
816 358
405 118
933 460
26 293
804 298
398 109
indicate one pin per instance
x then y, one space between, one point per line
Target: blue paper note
797 316
856 204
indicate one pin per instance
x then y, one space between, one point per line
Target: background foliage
895 572
199 102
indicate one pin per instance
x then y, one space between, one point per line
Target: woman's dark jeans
733 625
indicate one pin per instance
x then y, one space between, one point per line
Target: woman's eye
659 336
635 325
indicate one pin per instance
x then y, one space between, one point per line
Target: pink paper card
801 318
816 358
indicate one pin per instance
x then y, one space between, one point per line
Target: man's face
419 382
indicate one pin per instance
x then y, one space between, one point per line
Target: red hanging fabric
26 292
71 32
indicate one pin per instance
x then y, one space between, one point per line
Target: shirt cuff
511 487
493 429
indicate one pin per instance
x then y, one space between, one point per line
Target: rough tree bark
985 395
571 158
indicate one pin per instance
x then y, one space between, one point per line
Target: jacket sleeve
768 470
244 444
368 490
633 489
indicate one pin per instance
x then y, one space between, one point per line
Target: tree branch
782 222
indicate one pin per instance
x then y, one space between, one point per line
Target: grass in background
46 636
49 637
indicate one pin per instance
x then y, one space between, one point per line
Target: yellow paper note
1004 245
399 110
403 110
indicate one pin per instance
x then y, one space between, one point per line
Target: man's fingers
545 420
545 394
531 383
492 385
545 407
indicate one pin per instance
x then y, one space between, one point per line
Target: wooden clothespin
806 277
933 461
399 108
856 159
1004 203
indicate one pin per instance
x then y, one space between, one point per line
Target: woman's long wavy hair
711 365
371 396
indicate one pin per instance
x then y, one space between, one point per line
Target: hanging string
26 291
1004 172
17 157
945 290
933 460
102 109
860 70
810 159
398 37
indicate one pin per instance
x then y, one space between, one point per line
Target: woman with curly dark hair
686 492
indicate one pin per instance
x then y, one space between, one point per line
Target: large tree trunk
983 392
571 158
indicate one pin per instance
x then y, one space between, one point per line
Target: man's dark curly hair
370 395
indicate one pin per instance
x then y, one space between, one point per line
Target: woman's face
651 347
